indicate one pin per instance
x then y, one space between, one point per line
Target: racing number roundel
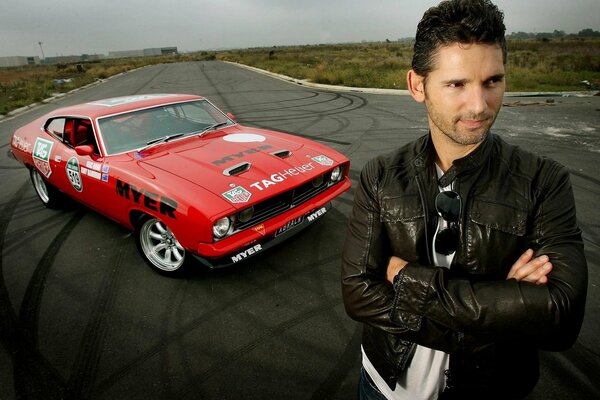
73 174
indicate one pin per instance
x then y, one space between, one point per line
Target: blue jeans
367 389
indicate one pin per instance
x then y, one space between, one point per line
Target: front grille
285 201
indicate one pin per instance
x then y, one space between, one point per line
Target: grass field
533 65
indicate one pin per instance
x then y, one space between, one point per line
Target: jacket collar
425 158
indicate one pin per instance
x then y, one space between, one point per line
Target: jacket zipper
425 214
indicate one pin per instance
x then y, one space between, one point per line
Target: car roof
115 105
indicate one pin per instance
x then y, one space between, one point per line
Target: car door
79 176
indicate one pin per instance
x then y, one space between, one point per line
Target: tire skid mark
8 317
150 79
86 365
184 330
351 106
345 363
226 104
226 361
34 377
303 103
30 307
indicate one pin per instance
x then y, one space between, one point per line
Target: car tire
159 247
48 194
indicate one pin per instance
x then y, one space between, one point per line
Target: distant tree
588 32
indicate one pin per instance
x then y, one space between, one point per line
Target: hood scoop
281 153
237 169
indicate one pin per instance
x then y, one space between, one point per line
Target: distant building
17 61
126 53
156 51
72 59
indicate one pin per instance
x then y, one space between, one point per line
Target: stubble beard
464 137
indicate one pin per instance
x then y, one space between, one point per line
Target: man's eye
494 82
456 85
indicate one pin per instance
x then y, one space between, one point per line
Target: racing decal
289 225
244 138
41 156
297 221
151 201
21 144
73 174
237 195
129 99
246 253
317 214
282 176
323 160
92 169
241 154
105 169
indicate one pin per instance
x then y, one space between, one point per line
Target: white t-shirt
424 379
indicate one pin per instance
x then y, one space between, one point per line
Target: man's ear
416 85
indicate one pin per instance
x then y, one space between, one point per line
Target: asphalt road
82 316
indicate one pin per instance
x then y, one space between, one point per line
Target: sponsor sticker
73 174
237 195
242 255
310 217
323 160
260 229
282 176
21 144
41 156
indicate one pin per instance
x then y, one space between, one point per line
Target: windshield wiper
211 128
163 139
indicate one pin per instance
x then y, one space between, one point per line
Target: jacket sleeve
547 316
368 297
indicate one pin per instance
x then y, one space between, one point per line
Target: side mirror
84 150
231 116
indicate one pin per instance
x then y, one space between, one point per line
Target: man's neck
447 151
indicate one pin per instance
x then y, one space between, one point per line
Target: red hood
205 162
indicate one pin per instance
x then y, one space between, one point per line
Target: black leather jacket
491 327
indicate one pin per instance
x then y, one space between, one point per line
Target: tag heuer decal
323 160
41 156
237 195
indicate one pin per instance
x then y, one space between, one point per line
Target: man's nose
477 101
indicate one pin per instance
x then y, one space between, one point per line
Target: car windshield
137 129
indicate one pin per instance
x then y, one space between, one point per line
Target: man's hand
394 266
529 269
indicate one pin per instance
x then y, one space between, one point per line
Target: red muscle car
182 174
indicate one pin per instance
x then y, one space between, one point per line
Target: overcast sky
74 27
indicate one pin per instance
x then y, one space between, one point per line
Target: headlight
245 215
336 174
221 227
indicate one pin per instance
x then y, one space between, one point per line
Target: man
463 256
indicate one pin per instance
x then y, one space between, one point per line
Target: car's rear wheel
48 194
159 247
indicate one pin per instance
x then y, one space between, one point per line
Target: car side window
79 132
56 128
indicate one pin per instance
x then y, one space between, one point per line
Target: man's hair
457 21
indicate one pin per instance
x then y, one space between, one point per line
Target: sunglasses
448 205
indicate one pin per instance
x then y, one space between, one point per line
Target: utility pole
43 57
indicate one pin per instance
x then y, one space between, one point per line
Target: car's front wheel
159 247
47 193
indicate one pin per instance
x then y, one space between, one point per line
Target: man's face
464 92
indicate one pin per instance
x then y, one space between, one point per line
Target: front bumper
260 245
